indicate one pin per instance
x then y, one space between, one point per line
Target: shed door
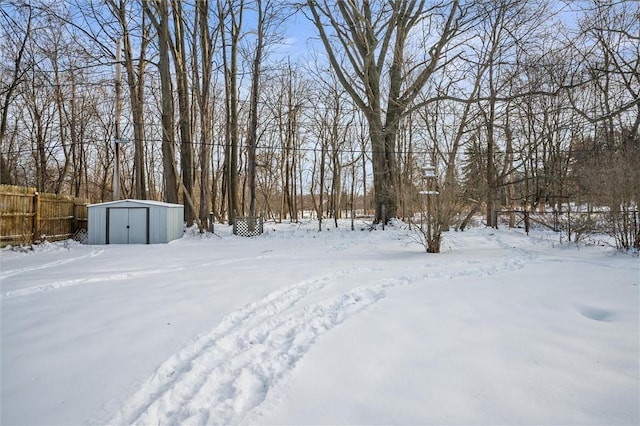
127 225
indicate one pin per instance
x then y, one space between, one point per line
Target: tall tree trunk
253 106
203 86
161 24
230 59
184 108
62 122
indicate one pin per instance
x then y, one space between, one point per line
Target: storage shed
135 222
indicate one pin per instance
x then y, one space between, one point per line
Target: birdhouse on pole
429 177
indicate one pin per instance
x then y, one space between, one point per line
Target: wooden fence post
74 221
35 235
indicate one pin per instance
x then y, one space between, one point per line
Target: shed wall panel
156 225
175 223
96 227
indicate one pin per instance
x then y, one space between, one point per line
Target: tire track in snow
105 278
227 374
13 272
80 281
184 387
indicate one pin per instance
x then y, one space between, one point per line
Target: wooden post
35 235
75 221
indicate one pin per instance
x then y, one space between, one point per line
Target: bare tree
180 65
253 102
374 37
135 76
158 13
15 35
609 48
203 43
231 15
269 15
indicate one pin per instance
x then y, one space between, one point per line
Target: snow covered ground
337 327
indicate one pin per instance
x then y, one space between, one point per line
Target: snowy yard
338 327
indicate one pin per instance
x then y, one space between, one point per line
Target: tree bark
161 24
230 60
253 106
184 109
203 87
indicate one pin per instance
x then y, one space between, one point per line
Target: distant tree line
516 105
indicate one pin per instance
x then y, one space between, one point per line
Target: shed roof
142 202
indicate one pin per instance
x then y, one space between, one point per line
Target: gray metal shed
135 222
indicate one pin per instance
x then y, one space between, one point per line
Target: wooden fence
28 217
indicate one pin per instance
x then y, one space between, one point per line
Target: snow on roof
143 202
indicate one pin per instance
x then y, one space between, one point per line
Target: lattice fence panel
248 226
